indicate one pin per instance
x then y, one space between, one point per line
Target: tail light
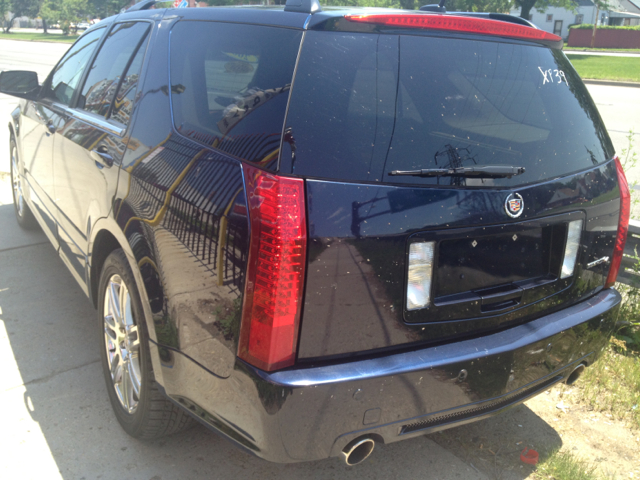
458 24
623 225
275 271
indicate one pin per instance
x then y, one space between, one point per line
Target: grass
606 68
612 385
39 37
565 466
610 50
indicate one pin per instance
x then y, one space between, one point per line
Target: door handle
101 157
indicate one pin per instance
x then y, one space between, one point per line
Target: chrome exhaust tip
573 376
358 450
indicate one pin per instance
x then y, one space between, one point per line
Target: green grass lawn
39 37
607 68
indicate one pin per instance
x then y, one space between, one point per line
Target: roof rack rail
439 8
143 5
303 6
503 17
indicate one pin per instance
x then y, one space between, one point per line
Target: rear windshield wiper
489 171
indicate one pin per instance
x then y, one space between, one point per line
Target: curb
611 83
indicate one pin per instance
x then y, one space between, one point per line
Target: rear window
364 105
230 85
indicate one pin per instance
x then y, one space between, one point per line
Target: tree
542 5
106 8
4 9
64 12
22 8
50 13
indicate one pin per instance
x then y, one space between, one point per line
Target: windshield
364 105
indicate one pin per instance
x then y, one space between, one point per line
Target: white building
557 20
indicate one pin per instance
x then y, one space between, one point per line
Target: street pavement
57 421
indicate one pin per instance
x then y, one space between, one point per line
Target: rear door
90 140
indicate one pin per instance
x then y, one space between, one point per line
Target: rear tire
25 218
143 412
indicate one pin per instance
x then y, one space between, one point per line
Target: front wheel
139 406
24 216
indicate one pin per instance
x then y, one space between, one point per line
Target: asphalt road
57 421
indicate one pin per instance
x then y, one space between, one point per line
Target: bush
589 26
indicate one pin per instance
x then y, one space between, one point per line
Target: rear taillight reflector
457 24
574 233
420 272
623 225
275 269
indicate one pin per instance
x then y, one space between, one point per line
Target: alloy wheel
122 343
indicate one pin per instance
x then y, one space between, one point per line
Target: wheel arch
105 237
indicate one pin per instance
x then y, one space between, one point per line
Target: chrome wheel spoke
134 338
110 325
134 377
114 302
126 388
116 368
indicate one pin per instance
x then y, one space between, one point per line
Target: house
557 20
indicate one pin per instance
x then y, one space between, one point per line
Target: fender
108 226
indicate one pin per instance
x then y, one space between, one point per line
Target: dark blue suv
314 230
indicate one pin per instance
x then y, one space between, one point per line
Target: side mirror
20 84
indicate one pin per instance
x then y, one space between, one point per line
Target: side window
67 73
231 92
118 54
123 104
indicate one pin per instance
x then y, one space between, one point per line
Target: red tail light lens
623 225
457 24
275 272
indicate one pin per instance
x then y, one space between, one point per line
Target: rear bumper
313 413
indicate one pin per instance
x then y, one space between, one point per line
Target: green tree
22 8
541 6
4 9
106 8
64 12
50 13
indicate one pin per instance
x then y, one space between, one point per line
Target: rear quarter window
230 85
364 105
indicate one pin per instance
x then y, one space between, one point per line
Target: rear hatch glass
364 105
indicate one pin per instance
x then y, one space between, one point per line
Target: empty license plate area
470 264
486 271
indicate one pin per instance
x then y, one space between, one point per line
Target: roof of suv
307 14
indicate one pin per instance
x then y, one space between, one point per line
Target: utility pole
595 25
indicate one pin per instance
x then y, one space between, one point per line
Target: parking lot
58 421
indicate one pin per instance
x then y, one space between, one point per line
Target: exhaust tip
573 376
358 451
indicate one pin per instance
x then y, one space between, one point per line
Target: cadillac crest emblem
514 205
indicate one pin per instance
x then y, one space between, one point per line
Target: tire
25 218
143 412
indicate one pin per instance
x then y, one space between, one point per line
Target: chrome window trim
96 121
